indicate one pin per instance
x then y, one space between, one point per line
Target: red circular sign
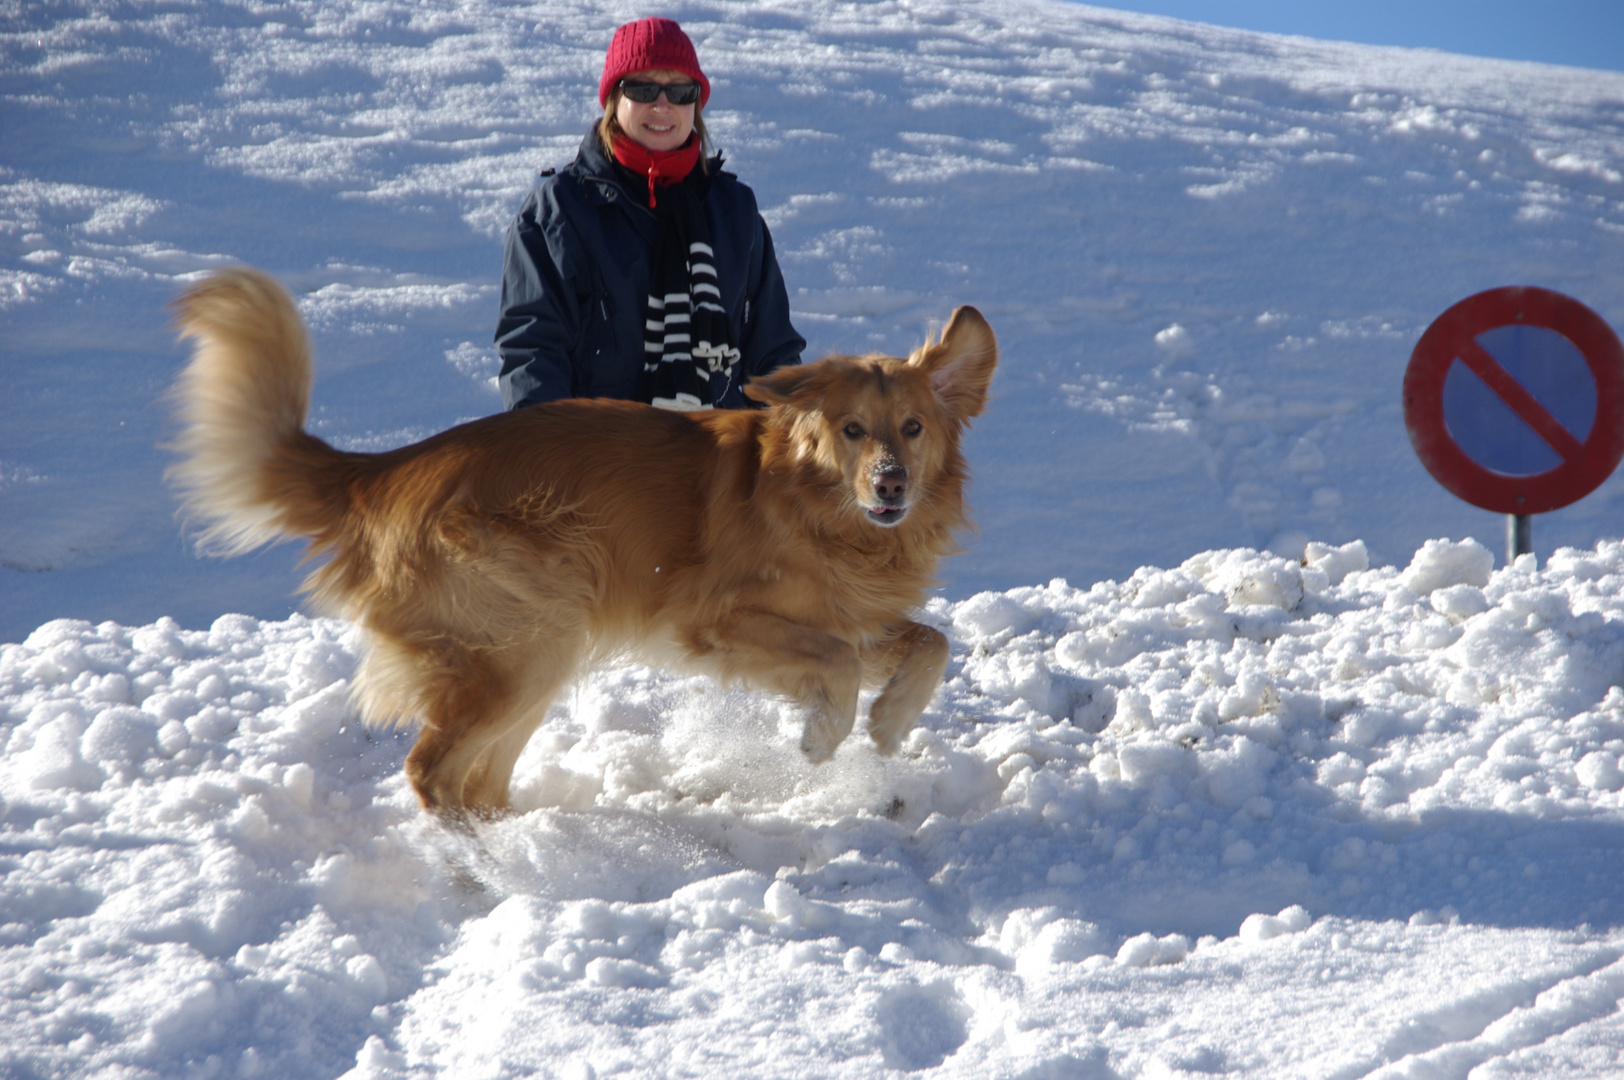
1453 338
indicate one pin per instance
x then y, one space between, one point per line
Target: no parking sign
1514 400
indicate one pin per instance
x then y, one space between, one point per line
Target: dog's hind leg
478 712
820 671
488 782
911 664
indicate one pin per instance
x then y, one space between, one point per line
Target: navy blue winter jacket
575 284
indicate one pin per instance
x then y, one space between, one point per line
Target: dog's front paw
887 742
889 724
822 735
815 753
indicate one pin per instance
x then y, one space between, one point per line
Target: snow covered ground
1347 807
1248 816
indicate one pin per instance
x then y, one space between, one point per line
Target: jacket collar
603 182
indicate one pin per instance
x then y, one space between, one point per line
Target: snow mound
208 853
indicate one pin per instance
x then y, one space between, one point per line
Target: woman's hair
609 127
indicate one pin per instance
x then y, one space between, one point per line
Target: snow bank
1162 824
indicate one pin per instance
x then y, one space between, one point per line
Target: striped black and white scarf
686 339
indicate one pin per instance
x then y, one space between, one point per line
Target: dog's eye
854 430
912 428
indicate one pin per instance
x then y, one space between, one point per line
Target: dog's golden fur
490 564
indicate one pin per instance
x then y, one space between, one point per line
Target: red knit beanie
647 44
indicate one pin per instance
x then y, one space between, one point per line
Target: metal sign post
1519 536
1514 401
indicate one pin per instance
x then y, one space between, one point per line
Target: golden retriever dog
491 564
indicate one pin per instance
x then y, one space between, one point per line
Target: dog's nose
890 484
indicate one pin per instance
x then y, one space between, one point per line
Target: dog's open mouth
886 515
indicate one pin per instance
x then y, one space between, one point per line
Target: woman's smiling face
659 125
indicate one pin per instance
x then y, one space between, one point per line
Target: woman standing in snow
641 270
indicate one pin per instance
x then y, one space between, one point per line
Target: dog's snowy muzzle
890 482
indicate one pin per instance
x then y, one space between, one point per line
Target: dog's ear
798 384
960 365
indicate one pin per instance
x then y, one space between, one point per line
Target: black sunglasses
645 93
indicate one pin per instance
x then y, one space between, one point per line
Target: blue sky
1585 33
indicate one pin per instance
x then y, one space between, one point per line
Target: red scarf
662 167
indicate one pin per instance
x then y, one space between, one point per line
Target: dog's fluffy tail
247 468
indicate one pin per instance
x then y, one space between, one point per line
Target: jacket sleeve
541 317
770 341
